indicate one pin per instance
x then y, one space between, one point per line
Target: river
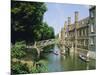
68 62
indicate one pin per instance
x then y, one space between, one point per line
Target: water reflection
68 62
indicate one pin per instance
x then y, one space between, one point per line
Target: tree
44 32
18 50
25 17
19 68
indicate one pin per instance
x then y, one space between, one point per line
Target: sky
57 14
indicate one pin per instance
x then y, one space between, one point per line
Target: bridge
39 45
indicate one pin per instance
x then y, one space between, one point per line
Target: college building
81 35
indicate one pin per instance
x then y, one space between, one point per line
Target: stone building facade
76 35
81 35
92 31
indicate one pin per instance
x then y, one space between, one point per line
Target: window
92 28
91 41
91 14
85 32
66 34
84 42
78 33
81 32
82 22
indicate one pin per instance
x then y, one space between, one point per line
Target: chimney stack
76 16
69 20
65 25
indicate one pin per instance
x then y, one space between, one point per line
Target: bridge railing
43 43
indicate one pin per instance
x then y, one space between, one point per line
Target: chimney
69 20
65 25
76 16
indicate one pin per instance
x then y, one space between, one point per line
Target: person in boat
56 52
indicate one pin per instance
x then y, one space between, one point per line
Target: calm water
68 62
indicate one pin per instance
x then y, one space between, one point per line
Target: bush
40 67
18 50
19 68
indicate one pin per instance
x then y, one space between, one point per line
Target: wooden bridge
39 45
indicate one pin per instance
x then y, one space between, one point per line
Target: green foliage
40 67
19 68
25 17
43 32
18 50
27 22
48 48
